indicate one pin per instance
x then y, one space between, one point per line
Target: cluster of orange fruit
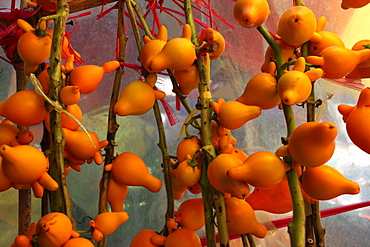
311 145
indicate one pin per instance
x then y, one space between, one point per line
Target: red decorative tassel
171 115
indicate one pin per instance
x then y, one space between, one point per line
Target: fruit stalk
315 217
112 123
60 199
161 132
24 195
296 227
209 152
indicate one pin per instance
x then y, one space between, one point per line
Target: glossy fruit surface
217 174
187 146
54 230
78 242
215 42
88 77
33 48
325 183
295 86
240 218
233 114
261 91
142 239
187 172
357 118
337 62
289 54
346 4
177 54
153 47
328 39
276 200
24 165
182 237
138 97
25 108
106 223
79 145
360 45
129 169
297 25
70 95
188 79
262 170
251 13
190 214
313 143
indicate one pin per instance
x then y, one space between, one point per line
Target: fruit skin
261 91
346 4
26 108
54 230
295 86
117 193
32 48
177 54
289 54
187 172
276 200
190 214
88 77
25 165
81 147
328 39
180 237
138 97
251 13
311 144
78 242
357 118
215 42
240 218
217 174
106 223
129 169
360 45
325 183
263 170
153 47
233 114
337 62
297 25
188 79
187 146
70 95
142 239
66 121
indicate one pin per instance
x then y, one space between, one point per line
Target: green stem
204 100
251 240
60 199
279 59
299 3
141 18
296 227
